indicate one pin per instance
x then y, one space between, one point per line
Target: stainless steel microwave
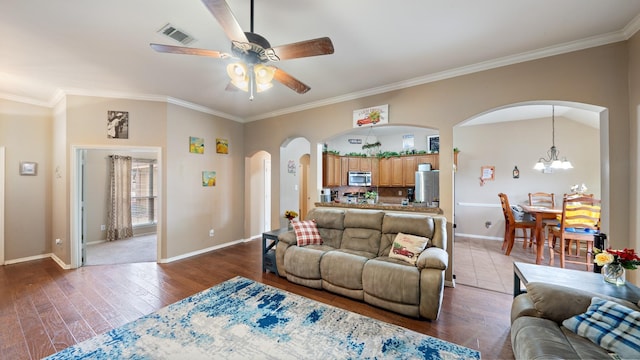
359 178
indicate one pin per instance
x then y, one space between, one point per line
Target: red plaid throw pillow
306 232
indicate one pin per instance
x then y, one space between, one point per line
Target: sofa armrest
433 258
557 303
289 237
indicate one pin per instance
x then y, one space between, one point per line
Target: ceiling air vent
176 34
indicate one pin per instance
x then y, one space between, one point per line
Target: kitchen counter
383 206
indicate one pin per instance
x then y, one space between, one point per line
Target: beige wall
596 76
521 144
191 209
25 132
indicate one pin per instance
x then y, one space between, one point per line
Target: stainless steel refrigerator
427 186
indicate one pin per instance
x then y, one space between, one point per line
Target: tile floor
482 263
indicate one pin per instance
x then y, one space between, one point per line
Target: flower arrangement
627 258
290 214
579 188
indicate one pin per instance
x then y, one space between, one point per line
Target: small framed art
28 168
433 144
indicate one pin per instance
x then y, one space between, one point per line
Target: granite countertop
390 207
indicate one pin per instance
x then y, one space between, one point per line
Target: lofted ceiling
101 48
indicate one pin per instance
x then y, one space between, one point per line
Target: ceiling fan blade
290 82
314 47
221 11
188 51
231 87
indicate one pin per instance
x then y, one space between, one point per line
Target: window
143 191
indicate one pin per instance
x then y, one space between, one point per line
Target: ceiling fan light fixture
264 76
238 74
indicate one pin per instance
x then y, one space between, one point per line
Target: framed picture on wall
433 143
28 168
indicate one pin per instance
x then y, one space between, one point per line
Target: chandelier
553 155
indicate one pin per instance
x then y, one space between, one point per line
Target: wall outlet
211 233
487 224
58 242
400 192
103 227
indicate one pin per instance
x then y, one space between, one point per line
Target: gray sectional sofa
354 261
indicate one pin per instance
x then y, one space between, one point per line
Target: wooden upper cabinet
365 164
331 170
432 159
354 163
375 171
344 176
384 171
409 167
397 176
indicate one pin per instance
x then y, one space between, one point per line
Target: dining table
540 213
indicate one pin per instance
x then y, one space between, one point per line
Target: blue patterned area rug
243 319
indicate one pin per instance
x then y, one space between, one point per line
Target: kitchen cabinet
375 171
432 159
384 171
397 173
331 170
409 167
344 175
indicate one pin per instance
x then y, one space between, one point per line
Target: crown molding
465 70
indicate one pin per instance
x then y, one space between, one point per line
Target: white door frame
76 195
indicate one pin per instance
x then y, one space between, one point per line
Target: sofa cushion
343 269
408 247
610 325
413 224
392 280
306 232
538 338
304 262
362 231
330 223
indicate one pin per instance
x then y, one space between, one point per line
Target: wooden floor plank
73 305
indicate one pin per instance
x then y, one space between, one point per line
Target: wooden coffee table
524 273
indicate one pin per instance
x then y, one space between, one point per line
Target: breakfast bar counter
383 206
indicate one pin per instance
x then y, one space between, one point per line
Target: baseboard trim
201 251
28 258
480 237
60 262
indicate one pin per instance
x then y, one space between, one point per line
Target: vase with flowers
615 262
290 215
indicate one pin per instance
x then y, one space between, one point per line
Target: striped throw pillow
610 325
306 232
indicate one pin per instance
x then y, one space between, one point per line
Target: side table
269 242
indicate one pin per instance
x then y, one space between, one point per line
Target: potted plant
371 197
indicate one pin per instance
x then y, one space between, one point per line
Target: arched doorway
518 135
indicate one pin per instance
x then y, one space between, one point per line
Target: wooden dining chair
580 220
572 243
542 199
511 225
546 200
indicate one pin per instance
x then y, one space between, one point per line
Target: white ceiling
101 48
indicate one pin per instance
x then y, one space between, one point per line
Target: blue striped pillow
610 325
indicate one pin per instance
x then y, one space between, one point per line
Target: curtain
119 212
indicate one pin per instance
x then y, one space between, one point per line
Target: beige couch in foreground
354 261
536 323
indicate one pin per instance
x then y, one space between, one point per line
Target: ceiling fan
254 51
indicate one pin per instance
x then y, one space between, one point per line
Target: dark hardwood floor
44 309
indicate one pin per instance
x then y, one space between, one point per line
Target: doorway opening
89 196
